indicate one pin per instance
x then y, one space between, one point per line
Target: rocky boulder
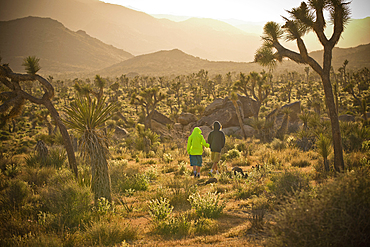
237 132
225 114
160 118
186 118
250 106
249 131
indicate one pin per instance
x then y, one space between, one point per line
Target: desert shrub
224 177
180 190
178 225
355 160
160 209
300 162
57 157
335 214
152 173
109 232
278 144
258 207
242 161
16 194
116 168
12 169
250 188
353 135
39 240
65 202
285 184
182 168
233 154
167 158
137 182
36 177
208 205
205 226
241 147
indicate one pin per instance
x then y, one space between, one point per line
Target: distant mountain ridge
176 62
60 50
139 33
76 54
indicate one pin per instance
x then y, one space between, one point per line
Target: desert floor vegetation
156 201
290 193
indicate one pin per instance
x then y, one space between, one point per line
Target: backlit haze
244 10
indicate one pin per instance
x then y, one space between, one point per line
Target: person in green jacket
196 142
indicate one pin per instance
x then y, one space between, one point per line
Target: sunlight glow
245 10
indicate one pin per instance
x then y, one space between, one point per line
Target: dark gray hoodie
216 138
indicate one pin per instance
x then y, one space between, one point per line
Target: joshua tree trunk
100 180
66 138
335 129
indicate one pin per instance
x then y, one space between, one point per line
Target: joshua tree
14 99
254 85
305 18
148 98
88 118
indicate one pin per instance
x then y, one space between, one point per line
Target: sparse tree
14 99
305 18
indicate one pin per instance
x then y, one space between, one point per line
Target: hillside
358 57
60 50
175 62
140 33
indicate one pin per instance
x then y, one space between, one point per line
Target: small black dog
239 170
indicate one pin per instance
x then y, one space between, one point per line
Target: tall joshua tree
88 118
303 19
13 99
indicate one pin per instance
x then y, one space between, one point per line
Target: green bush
208 206
335 214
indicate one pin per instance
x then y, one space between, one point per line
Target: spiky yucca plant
31 65
88 118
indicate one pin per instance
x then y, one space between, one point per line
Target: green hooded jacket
196 142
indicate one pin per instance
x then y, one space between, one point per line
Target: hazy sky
246 10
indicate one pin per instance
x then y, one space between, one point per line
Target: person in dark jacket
216 140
